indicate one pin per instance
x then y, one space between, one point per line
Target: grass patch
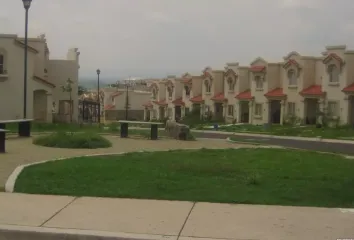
72 140
256 176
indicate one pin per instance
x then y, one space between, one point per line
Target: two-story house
238 93
156 108
174 99
44 80
213 95
192 93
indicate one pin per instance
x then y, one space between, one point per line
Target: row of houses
46 99
296 89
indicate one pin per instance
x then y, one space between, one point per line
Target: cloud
157 37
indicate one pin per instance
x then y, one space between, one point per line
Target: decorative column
282 111
145 114
202 110
250 113
183 111
302 110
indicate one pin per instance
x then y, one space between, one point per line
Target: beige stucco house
44 80
296 89
115 103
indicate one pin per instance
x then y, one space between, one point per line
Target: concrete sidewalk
55 217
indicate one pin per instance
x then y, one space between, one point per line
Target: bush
73 140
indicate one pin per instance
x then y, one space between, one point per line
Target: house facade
296 89
46 100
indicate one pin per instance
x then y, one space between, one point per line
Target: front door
274 112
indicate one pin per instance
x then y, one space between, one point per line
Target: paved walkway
152 219
22 151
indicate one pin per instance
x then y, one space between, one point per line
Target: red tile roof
42 80
277 92
197 99
332 56
291 62
219 97
257 68
148 104
109 107
312 90
246 95
349 88
161 102
178 102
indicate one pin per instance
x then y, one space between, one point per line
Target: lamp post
126 84
98 71
26 5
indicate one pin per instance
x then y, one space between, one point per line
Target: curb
13 232
299 149
316 139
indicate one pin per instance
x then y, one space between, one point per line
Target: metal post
126 102
98 98
25 68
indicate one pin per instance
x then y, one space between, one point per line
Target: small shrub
253 179
73 140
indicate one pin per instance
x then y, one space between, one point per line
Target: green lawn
344 132
256 176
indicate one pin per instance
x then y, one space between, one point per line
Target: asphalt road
343 148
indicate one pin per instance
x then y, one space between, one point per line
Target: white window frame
333 108
230 110
292 77
258 109
333 72
291 108
259 82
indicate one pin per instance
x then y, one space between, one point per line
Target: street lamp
26 5
98 71
126 84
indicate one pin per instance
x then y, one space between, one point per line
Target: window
258 109
169 90
169 112
186 111
154 93
230 110
207 86
259 82
292 77
333 72
291 108
231 84
2 69
187 90
333 108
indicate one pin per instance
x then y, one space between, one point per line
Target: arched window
231 84
154 93
259 82
188 90
292 78
170 91
2 60
333 72
207 86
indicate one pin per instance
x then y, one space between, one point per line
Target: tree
81 90
68 88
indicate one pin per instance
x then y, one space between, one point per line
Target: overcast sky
160 37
